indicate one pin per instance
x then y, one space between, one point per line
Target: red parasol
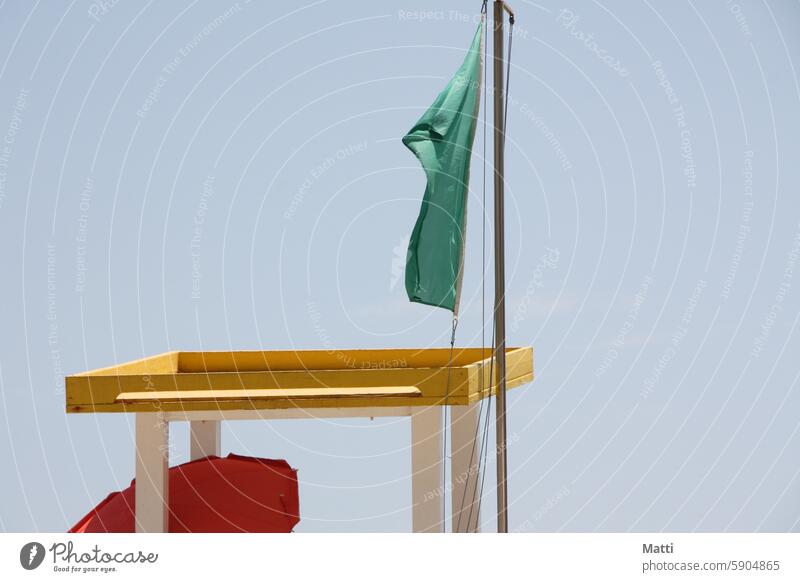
212 495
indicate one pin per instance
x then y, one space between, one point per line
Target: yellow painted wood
322 370
104 389
286 360
279 404
268 394
166 363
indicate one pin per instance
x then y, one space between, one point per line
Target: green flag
442 141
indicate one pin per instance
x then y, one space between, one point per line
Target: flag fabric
442 141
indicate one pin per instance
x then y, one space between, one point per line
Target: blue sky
230 176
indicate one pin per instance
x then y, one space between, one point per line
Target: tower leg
465 474
152 473
427 484
205 438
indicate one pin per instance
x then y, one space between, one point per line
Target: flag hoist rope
483 307
502 517
444 423
455 315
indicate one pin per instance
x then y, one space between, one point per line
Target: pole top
507 8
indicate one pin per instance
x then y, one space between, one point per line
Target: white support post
152 473
205 438
464 469
427 484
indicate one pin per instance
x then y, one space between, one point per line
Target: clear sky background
653 243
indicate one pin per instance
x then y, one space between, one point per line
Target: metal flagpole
499 267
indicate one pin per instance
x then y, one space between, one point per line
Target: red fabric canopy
212 495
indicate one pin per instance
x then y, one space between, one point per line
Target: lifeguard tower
206 388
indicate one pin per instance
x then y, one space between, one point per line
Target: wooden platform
208 388
253 380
